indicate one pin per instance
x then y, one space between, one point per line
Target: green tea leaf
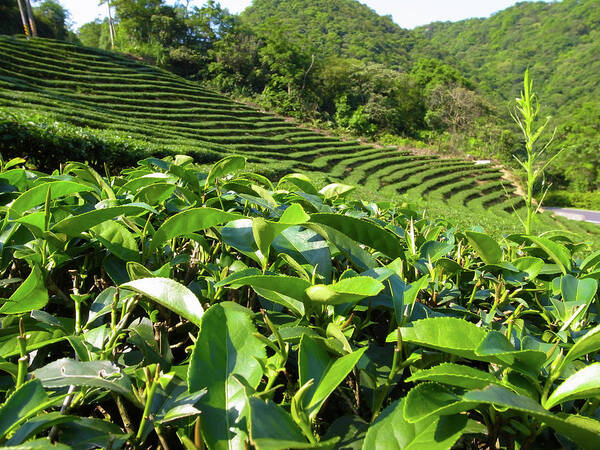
496 345
315 363
32 294
25 402
363 231
118 239
348 290
225 346
36 196
101 374
75 225
272 428
582 430
557 252
447 334
170 294
433 399
588 343
37 425
485 246
391 431
335 190
190 221
584 383
578 291
224 167
455 375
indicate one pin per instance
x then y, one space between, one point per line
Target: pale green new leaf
447 334
584 383
348 290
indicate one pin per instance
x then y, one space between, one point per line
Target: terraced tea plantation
48 86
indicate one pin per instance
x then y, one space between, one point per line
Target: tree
52 20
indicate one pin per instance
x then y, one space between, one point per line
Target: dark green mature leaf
101 374
35 340
485 246
433 399
36 196
38 424
348 290
557 252
225 346
24 403
38 444
75 225
582 430
170 294
584 383
190 221
351 429
32 294
272 428
315 363
118 239
87 433
455 375
391 431
496 345
365 232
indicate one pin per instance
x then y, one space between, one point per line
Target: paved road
576 214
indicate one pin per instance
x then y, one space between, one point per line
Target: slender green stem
24 356
149 398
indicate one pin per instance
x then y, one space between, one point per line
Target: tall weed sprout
525 114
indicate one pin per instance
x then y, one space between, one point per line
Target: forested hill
344 28
558 41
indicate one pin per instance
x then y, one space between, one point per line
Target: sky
406 13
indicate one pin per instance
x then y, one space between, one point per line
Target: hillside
47 87
558 41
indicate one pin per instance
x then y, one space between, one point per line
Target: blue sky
406 13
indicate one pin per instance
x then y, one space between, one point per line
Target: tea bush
166 306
